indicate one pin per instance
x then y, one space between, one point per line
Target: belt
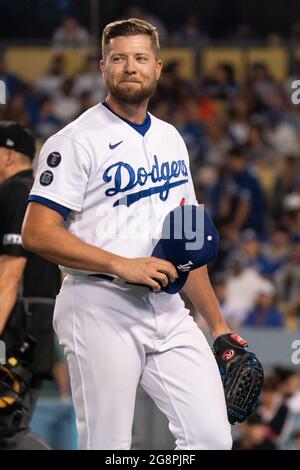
37 300
117 280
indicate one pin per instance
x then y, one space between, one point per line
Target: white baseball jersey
119 184
114 184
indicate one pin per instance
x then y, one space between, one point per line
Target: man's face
130 68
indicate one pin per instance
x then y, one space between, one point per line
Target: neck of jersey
140 128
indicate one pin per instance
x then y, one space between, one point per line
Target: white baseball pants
116 337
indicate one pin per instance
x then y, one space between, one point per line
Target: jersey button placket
152 298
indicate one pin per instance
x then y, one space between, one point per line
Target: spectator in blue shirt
265 313
252 251
239 199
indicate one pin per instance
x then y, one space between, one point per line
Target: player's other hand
153 272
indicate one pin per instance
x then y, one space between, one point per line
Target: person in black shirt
28 287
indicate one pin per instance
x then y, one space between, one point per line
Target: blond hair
130 27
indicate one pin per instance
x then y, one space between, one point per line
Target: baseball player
104 185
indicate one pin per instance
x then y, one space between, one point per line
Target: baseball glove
242 376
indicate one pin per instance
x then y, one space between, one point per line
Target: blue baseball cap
189 240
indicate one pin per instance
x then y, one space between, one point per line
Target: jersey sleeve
62 210
62 174
13 207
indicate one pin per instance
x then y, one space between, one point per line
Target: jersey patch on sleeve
46 178
54 159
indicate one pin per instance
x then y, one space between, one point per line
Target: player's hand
153 272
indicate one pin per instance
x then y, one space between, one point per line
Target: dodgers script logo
124 178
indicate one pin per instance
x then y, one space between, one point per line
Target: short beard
128 96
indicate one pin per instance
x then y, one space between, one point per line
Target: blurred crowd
55 98
243 141
243 138
276 423
67 22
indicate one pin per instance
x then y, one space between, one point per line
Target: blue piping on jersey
133 197
62 210
140 128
